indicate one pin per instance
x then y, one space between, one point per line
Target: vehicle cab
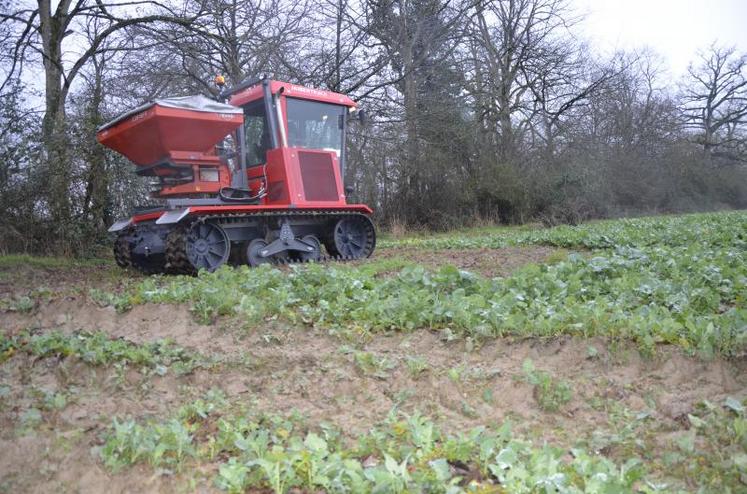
291 147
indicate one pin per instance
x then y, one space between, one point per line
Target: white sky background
675 29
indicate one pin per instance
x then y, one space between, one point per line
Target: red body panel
248 209
158 133
292 90
199 186
298 177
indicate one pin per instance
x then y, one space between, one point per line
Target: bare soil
280 369
19 279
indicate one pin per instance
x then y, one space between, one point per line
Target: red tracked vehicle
254 180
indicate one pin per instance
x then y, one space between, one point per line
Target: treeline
489 110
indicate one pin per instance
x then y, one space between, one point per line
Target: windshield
256 134
315 125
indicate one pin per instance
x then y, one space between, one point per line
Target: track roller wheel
253 256
353 237
312 255
122 251
207 245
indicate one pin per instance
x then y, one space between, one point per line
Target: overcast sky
674 28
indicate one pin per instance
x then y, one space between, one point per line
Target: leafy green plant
409 453
679 230
99 349
199 409
551 394
121 303
456 374
714 449
30 420
8 347
373 365
416 366
232 476
403 454
167 444
54 401
23 304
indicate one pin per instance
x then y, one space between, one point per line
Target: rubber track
122 251
123 256
177 261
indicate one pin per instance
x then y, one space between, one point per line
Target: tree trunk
411 120
97 183
54 130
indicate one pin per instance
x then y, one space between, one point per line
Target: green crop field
607 357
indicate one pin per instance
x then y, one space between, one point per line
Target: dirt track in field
280 369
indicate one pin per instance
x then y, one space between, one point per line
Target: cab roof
254 93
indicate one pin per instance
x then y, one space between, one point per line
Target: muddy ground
281 369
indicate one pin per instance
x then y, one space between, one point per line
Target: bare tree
715 99
419 38
565 78
49 34
513 39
